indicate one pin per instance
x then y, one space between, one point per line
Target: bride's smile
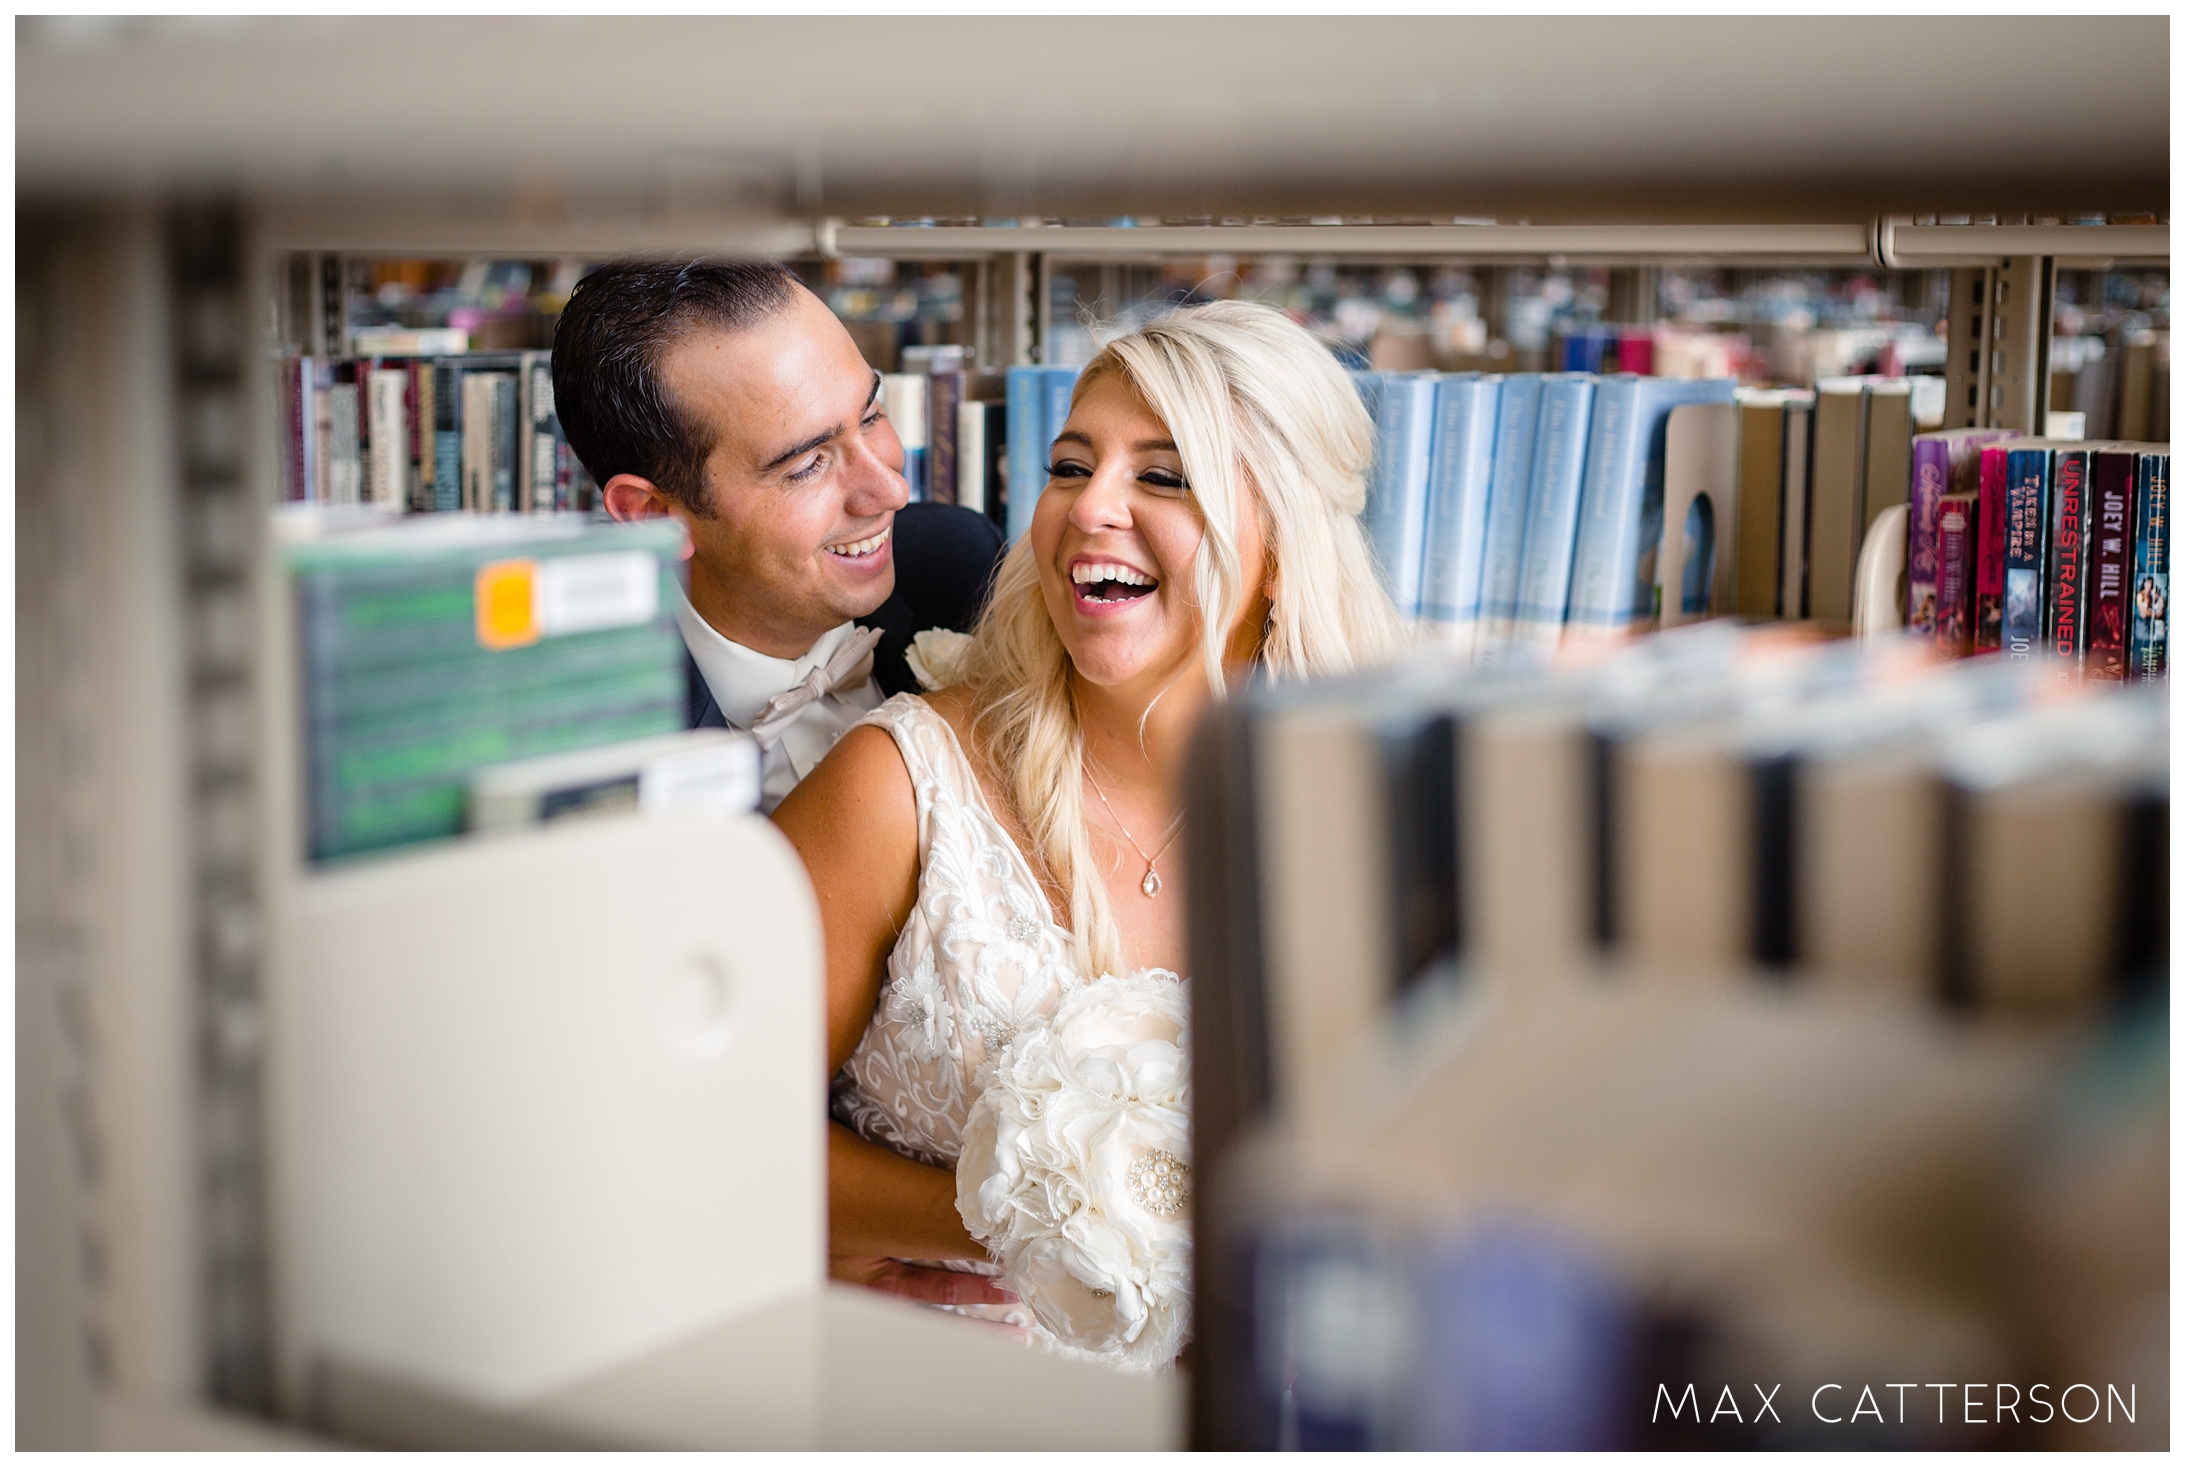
1116 536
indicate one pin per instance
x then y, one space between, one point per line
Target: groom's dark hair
607 347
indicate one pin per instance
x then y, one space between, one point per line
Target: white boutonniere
936 657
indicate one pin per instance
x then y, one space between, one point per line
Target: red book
2109 565
2067 560
1956 544
1988 555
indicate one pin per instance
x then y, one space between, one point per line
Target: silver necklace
1151 886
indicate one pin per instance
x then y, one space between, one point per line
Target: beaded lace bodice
980 958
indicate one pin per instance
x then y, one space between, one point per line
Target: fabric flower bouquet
1075 1170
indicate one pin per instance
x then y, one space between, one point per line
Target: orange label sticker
507 603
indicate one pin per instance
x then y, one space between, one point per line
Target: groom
729 396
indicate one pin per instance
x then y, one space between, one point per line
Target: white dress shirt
742 681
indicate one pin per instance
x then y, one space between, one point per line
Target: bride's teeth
1087 574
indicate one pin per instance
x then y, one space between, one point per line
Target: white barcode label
590 593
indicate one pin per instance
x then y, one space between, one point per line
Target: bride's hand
911 1281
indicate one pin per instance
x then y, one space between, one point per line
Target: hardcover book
1517 430
1456 529
1551 521
1396 505
1989 556
2109 565
1942 463
2151 566
2025 545
2064 616
1956 541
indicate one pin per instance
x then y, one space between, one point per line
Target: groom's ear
627 497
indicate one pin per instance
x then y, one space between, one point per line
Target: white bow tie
848 668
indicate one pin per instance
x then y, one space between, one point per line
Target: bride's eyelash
1063 468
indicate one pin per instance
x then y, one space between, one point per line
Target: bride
981 853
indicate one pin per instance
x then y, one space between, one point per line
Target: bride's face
1116 535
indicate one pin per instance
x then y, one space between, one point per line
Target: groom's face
802 483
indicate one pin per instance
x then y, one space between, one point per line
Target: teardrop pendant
1152 883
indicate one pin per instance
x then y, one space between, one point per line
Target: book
982 438
1989 554
1460 481
2108 584
1057 384
299 457
1757 577
1956 544
2025 545
944 394
1612 570
1026 410
1517 431
2151 566
1396 504
1889 426
419 411
447 437
344 471
1941 463
2064 614
1798 419
1834 523
388 387
905 396
1552 507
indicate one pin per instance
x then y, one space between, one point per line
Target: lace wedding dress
981 957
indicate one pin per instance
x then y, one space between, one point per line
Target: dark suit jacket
944 565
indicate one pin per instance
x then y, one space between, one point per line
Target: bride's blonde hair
1268 424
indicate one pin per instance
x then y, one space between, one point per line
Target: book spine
1956 540
1930 481
2109 566
1056 384
996 476
1567 409
1027 468
417 420
389 388
541 479
505 431
447 438
1791 557
295 422
477 405
944 391
2023 547
1609 507
1994 494
905 395
1456 527
2151 568
971 455
2065 614
343 456
1517 429
1396 507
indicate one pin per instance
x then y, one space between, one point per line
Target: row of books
429 649
2020 546
1509 512
1617 954
475 432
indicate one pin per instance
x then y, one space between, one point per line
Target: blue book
1027 408
1551 514
1517 427
2025 539
2151 570
1396 505
1620 518
1465 409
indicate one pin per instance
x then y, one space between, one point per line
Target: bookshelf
313 158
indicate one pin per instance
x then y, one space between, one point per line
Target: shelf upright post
1014 324
1043 307
2022 319
1965 371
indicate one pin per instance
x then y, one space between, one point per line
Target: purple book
1942 463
